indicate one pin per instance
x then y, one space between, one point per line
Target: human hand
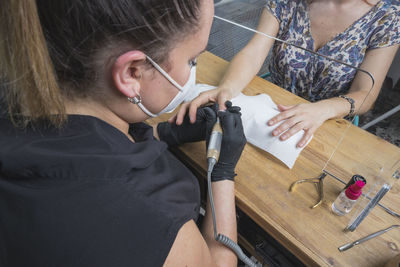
187 132
233 142
217 95
307 116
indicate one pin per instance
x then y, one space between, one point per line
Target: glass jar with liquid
347 198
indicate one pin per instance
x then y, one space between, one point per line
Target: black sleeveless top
88 196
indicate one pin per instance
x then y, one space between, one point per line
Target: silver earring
135 100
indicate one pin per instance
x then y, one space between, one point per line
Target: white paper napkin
256 112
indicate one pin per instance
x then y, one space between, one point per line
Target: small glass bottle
347 198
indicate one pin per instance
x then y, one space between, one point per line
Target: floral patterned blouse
314 77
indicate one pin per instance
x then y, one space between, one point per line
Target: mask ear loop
165 74
137 100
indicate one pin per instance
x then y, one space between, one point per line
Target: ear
127 72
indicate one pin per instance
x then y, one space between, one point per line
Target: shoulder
388 9
383 25
285 5
394 5
282 9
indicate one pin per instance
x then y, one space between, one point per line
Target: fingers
193 109
231 108
222 98
285 125
207 114
306 137
281 116
222 106
178 118
300 117
234 122
235 109
172 119
215 107
292 131
238 120
284 108
202 99
227 121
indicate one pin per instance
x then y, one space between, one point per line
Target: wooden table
313 235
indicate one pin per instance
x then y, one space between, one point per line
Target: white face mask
184 94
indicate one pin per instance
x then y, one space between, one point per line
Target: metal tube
366 238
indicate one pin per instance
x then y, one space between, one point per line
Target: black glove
187 132
233 142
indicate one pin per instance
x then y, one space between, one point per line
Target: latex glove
233 142
188 132
308 117
216 96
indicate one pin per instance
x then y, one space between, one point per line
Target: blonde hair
31 89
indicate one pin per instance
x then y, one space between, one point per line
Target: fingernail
275 132
270 123
283 137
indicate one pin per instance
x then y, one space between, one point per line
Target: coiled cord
219 237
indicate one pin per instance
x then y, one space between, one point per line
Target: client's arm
241 70
309 117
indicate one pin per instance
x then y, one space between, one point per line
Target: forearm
247 63
241 70
224 201
376 62
339 107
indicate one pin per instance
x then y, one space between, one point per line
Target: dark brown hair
49 49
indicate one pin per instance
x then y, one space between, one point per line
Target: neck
95 109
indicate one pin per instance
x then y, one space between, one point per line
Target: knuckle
293 130
283 126
291 121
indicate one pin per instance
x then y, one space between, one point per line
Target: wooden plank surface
261 186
